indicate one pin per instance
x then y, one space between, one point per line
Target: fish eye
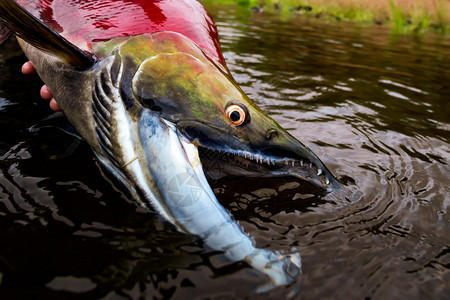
236 114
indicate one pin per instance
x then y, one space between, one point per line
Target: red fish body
84 22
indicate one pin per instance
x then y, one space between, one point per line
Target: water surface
373 105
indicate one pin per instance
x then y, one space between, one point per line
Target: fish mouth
224 162
223 155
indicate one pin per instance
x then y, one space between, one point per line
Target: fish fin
102 102
4 33
34 32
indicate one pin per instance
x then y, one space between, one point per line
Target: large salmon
145 84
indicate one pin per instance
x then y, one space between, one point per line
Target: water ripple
372 105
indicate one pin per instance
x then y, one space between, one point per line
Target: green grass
398 19
419 20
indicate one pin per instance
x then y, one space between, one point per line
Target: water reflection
371 104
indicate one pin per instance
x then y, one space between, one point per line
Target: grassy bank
403 15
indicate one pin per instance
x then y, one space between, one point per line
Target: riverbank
402 15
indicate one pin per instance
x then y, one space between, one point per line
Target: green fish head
206 105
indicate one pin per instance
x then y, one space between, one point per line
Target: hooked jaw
278 155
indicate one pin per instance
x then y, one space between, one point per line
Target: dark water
373 105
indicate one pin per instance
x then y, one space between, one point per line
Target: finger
28 68
46 94
54 105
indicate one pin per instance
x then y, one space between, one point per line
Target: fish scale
83 22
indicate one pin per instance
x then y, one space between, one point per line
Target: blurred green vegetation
402 15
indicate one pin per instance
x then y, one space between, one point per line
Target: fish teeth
301 162
319 172
327 181
293 163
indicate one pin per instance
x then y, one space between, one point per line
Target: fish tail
15 18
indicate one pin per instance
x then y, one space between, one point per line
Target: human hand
46 94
